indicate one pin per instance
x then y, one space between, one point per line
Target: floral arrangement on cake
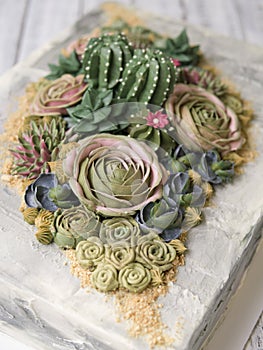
122 146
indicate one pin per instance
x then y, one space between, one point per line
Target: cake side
192 300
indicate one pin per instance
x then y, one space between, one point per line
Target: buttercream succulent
44 235
149 77
104 60
204 79
105 278
114 175
56 96
179 48
78 46
202 121
179 189
69 64
44 218
119 231
120 256
90 252
45 192
212 168
152 252
134 277
74 225
38 146
151 128
233 102
161 217
30 215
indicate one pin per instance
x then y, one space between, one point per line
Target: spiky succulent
179 48
104 60
149 77
38 146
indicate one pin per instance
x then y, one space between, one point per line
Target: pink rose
57 95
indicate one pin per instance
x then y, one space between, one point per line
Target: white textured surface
41 302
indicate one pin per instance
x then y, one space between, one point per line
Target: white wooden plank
46 19
171 8
219 15
251 19
11 18
89 5
256 339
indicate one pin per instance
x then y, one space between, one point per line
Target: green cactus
104 60
149 77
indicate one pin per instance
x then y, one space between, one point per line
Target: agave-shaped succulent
203 78
180 189
149 77
104 60
212 168
161 217
38 145
45 192
94 115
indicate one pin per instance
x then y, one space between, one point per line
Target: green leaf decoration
179 48
66 65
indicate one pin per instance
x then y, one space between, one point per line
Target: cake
89 124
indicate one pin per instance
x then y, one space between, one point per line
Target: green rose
105 278
134 277
90 253
119 256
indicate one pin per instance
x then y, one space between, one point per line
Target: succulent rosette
119 231
73 225
105 278
120 256
57 95
134 277
90 252
114 175
152 252
202 121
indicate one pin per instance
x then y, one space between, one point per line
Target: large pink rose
114 175
201 120
55 96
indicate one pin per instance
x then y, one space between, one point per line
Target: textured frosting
47 310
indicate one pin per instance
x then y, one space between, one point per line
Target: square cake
43 305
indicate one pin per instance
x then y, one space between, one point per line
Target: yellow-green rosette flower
119 231
90 253
155 253
134 277
73 225
105 278
119 256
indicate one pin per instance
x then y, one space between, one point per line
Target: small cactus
149 77
104 60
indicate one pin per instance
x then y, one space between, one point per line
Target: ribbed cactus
149 77
104 60
37 146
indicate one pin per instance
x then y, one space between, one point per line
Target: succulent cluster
126 141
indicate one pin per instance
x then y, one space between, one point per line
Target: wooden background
26 25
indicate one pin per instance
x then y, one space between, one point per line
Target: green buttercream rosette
105 278
134 277
73 225
90 253
119 231
119 256
152 252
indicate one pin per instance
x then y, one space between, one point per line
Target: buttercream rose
78 45
202 120
134 277
90 253
119 256
105 278
154 253
55 96
119 230
114 175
